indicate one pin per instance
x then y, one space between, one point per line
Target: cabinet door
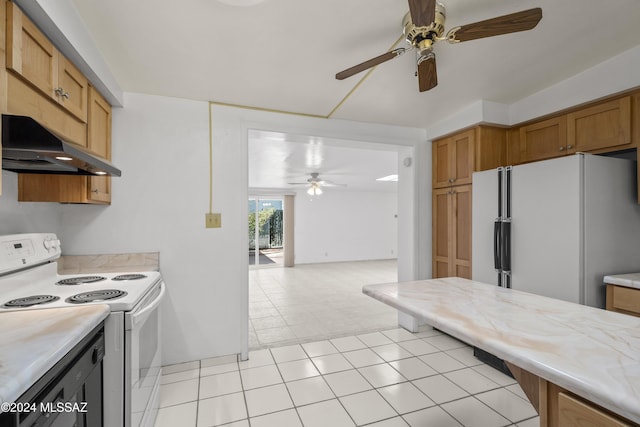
602 126
461 206
513 147
99 125
29 53
574 412
442 230
72 88
99 141
463 149
442 154
451 232
490 148
453 159
623 300
543 140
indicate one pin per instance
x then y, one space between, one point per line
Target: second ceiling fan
424 25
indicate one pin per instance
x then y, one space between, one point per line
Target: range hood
28 147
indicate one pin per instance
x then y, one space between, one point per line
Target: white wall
21 217
161 145
345 226
615 75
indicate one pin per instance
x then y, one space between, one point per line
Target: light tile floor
311 302
390 378
325 355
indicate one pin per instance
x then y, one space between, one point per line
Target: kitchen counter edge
34 340
591 352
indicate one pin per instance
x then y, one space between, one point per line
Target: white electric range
132 364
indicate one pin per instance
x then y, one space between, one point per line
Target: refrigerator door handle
505 246
497 240
500 192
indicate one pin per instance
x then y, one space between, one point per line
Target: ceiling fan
315 184
423 25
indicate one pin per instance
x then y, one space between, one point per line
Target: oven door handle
141 315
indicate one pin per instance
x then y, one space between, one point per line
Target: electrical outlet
213 220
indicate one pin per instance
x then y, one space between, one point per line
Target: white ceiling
277 159
283 54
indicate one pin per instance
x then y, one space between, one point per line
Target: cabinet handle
569 147
60 92
94 191
561 148
450 180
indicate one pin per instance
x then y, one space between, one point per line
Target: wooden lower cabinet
452 232
561 408
558 407
623 300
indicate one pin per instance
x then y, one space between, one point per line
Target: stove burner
32 300
129 277
102 295
80 280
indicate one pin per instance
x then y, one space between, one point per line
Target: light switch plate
213 220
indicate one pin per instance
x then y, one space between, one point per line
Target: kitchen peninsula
574 362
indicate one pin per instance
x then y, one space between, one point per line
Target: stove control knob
48 243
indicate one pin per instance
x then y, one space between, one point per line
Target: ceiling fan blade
512 23
427 74
370 63
423 12
330 184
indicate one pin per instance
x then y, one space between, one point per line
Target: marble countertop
33 341
591 352
628 280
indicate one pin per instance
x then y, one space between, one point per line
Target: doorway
266 232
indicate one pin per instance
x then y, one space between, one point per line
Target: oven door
143 360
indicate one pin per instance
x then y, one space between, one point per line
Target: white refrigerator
557 227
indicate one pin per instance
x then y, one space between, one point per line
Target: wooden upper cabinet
99 141
72 188
99 125
29 52
490 148
72 89
513 147
34 58
456 157
601 127
453 159
543 140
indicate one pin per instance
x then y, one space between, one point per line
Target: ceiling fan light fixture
314 190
